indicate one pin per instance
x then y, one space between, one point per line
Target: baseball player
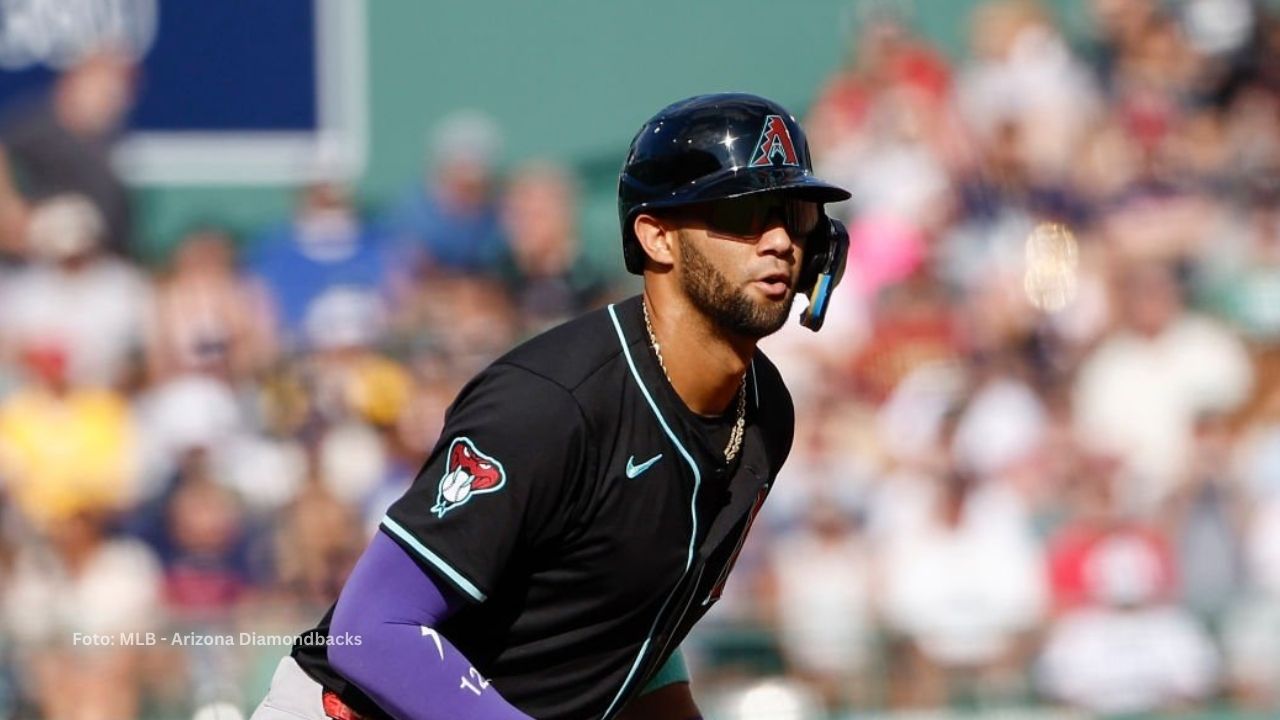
592 488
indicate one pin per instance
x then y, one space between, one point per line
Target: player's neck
705 365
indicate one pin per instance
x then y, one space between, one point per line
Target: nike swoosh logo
634 471
428 632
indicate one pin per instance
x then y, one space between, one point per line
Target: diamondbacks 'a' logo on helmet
467 473
775 146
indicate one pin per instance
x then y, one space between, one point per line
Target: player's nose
775 240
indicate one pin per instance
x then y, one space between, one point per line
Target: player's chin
769 315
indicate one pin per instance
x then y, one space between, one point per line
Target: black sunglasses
751 216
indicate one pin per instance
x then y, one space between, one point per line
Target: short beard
730 308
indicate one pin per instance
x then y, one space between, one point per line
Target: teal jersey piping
436 561
693 508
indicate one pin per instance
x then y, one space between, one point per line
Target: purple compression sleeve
402 663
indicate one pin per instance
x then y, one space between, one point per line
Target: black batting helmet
722 146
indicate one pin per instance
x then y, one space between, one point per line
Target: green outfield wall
569 79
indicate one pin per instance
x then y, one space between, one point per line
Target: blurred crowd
205 446
1037 455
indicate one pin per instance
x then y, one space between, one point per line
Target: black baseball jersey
585 510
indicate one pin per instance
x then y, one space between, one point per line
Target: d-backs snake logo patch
468 473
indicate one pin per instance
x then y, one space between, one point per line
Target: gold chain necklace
735 436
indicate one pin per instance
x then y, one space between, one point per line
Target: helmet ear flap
826 252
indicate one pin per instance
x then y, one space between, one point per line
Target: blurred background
250 251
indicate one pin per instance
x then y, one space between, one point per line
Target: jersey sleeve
497 483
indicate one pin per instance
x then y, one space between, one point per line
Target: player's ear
657 238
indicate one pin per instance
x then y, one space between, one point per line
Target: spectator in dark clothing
546 273
62 144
